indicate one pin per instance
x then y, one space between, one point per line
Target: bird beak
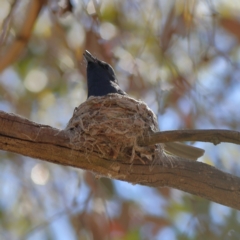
88 56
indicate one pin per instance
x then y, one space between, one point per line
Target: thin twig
6 23
214 136
23 36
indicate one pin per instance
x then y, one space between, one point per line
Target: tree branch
6 22
214 136
22 136
13 51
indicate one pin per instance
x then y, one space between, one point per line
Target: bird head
101 78
98 71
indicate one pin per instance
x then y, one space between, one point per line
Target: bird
102 80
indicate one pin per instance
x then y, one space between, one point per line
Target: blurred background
181 57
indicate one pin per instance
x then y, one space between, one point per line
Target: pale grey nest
111 127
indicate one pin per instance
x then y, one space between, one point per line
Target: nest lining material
111 126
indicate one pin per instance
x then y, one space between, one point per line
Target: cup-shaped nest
111 127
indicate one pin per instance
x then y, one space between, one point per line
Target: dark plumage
101 78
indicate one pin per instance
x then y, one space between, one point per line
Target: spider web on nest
111 127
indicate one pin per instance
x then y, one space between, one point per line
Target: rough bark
24 137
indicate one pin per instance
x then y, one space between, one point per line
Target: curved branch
214 136
23 36
22 136
6 23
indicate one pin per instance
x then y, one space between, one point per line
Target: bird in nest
101 80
